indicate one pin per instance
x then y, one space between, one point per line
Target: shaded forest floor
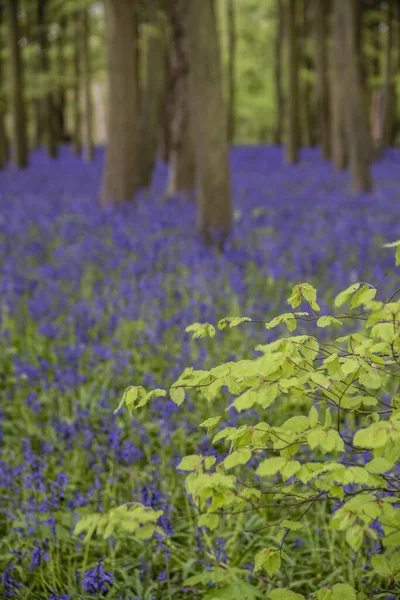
92 301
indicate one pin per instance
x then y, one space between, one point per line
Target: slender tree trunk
47 104
181 175
61 96
307 115
119 171
76 105
321 64
19 151
292 130
166 113
338 127
87 89
231 19
209 120
357 134
388 104
279 97
3 137
153 95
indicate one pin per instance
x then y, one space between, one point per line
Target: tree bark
338 127
47 108
76 104
61 96
292 130
3 137
119 171
231 20
87 89
279 97
19 150
321 68
153 95
388 103
181 174
208 112
357 134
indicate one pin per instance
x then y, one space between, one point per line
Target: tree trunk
357 135
307 115
47 109
3 137
292 130
209 120
153 95
181 174
166 114
338 127
279 98
87 89
388 104
19 151
119 171
231 70
76 105
321 68
61 96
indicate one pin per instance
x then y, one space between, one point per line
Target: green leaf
392 244
364 295
177 395
327 320
211 423
210 521
354 537
379 465
238 457
343 591
232 321
281 594
381 565
201 330
313 417
190 462
270 466
346 294
268 559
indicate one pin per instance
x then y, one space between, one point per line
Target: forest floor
92 301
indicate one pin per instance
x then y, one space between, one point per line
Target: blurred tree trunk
61 98
19 151
231 20
119 177
166 113
338 127
307 100
3 137
181 175
76 105
321 69
47 105
292 129
279 97
153 94
87 89
357 134
388 103
208 116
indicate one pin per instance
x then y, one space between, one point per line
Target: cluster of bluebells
94 300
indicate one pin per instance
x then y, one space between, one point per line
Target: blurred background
183 80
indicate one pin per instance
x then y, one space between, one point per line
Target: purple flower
97 580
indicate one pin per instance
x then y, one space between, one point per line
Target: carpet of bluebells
93 301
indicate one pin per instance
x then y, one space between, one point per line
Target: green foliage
282 463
